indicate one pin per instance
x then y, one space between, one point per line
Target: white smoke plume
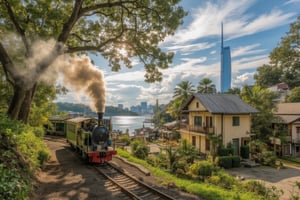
80 74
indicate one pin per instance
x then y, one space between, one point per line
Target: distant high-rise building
144 106
225 66
120 106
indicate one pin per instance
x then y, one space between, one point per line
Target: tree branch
8 66
19 29
67 28
80 38
105 5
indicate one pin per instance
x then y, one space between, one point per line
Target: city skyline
252 29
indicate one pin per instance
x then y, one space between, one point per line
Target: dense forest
84 109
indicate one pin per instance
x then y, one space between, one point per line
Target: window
197 104
194 140
298 129
198 121
235 121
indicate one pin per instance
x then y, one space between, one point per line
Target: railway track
132 187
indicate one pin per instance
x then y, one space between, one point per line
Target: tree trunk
26 105
19 107
16 102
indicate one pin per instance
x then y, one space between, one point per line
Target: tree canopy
116 29
261 99
284 61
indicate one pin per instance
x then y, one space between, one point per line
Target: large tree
106 27
268 75
284 61
261 99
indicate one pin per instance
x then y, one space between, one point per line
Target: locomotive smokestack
100 117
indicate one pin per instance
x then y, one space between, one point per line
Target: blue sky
252 29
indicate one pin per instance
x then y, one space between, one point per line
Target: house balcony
196 129
296 140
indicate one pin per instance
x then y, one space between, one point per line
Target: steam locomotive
91 139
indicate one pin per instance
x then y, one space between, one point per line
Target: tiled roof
224 103
288 109
287 119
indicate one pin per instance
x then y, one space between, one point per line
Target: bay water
122 123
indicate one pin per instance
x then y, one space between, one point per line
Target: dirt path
67 177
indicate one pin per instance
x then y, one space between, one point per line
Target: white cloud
206 21
191 47
246 50
249 63
244 79
292 1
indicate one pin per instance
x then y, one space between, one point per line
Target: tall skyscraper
225 65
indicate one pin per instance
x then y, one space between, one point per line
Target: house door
236 146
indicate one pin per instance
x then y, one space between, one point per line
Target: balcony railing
296 140
197 129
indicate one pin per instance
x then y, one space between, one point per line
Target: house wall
229 131
200 140
232 132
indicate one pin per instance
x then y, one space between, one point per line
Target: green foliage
295 95
206 86
223 180
19 143
124 138
42 106
260 188
268 76
203 190
261 99
139 149
286 55
236 161
183 91
268 158
201 169
228 161
222 151
187 151
13 186
295 193
224 161
245 151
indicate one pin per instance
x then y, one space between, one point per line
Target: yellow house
225 115
288 124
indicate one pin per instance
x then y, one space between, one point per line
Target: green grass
201 189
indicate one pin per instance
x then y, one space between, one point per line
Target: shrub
225 161
268 158
124 138
222 151
245 151
236 161
202 168
261 189
139 149
223 180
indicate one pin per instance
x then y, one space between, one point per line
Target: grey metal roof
224 104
